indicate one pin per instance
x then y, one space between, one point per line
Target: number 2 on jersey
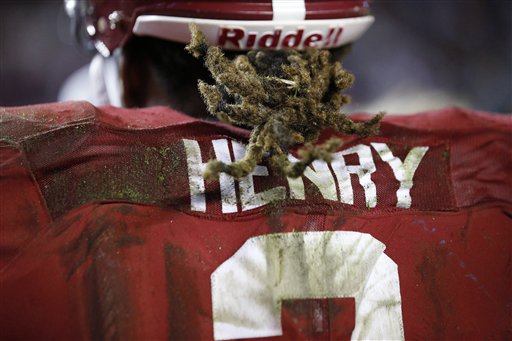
248 288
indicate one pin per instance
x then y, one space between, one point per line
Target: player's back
110 230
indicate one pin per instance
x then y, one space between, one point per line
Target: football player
114 224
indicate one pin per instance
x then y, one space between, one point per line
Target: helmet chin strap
106 82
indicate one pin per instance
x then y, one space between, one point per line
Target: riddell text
240 38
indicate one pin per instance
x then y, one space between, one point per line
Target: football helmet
230 24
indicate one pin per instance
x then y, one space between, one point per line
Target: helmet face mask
232 25
77 13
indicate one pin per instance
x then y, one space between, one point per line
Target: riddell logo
241 39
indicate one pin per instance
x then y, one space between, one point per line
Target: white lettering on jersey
249 287
296 184
195 168
227 183
318 173
403 171
343 177
248 197
364 172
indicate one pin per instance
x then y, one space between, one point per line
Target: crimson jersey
109 230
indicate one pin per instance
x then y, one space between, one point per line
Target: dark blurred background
418 55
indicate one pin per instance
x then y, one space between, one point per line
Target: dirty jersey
110 231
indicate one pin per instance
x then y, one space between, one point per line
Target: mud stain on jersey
125 209
369 321
431 271
128 240
141 174
30 215
338 222
78 250
183 302
103 229
274 213
108 299
65 224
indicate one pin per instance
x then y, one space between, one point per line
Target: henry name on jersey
332 180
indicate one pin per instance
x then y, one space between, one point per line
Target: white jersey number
248 288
